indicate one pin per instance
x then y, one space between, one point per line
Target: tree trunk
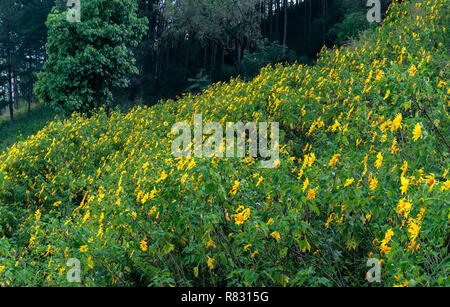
16 91
285 26
270 20
10 92
30 87
213 61
238 57
309 21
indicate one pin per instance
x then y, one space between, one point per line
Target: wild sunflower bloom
305 184
431 180
397 122
379 75
311 194
404 207
387 237
379 160
394 145
259 181
210 244
144 245
275 235
210 263
242 216
417 132
334 160
235 187
373 182
404 168
405 184
412 70
37 215
309 159
348 182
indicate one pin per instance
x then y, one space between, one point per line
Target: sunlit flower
417 132
144 245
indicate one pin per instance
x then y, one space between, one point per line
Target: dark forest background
189 45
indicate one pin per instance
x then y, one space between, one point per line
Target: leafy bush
269 53
349 28
363 173
88 60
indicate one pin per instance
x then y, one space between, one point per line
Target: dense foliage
219 39
88 60
363 173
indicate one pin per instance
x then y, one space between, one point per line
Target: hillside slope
362 173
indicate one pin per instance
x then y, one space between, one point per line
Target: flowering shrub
363 173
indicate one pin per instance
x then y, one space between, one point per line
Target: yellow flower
163 176
211 263
234 188
334 159
412 70
379 160
37 215
397 122
404 207
83 248
246 247
379 75
210 244
405 184
445 186
404 168
259 181
394 145
144 245
388 92
348 182
387 237
417 132
373 183
275 235
311 194
329 220
242 216
305 184
431 180
90 262
309 159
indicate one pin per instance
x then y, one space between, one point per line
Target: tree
229 24
33 33
9 47
89 60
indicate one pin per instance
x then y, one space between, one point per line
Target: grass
23 125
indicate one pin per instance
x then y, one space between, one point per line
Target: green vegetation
363 173
24 125
88 60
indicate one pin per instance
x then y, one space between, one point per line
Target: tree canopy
90 59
